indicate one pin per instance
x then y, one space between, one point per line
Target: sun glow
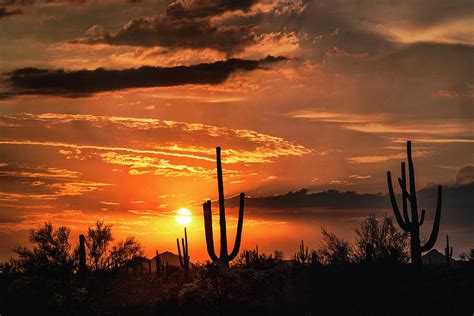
184 216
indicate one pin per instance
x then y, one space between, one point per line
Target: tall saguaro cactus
412 225
184 259
224 257
448 252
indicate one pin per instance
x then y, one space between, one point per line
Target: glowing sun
184 216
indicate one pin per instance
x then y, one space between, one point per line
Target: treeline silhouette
382 272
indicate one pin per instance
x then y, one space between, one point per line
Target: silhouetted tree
98 238
467 256
125 250
278 254
382 239
51 251
334 249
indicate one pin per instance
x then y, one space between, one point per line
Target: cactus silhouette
302 255
184 259
247 259
448 252
412 225
314 258
158 264
224 257
82 257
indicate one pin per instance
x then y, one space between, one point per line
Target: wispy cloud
43 183
242 145
382 158
323 115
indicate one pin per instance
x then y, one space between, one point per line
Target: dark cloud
79 83
184 24
5 12
169 33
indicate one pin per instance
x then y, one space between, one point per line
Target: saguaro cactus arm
434 232
405 195
181 263
187 249
208 228
411 175
422 218
393 200
238 236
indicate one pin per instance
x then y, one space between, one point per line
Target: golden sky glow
88 132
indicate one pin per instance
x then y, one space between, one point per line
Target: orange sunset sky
112 110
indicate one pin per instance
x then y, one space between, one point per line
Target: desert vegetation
380 273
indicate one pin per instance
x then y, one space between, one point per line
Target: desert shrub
334 250
386 242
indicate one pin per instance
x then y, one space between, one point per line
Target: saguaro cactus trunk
448 252
184 259
82 257
412 225
224 257
158 264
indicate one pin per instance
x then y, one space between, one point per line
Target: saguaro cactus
314 258
247 259
158 264
412 225
184 259
224 257
448 252
82 257
302 255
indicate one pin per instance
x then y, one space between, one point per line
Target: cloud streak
35 183
159 137
80 83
